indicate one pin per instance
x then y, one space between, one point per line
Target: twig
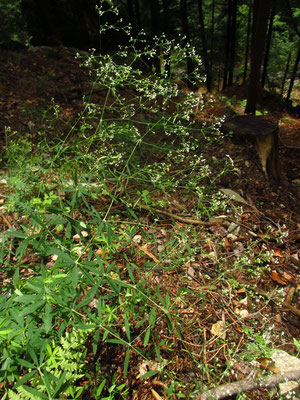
291 308
230 389
295 261
285 304
181 219
6 221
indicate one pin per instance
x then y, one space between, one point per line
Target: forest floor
215 294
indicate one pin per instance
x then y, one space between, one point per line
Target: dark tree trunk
227 45
186 33
285 74
166 30
156 31
293 76
38 17
138 14
260 22
54 22
232 42
131 16
247 43
212 32
290 11
268 45
204 45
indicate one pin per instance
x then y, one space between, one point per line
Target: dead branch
245 385
181 219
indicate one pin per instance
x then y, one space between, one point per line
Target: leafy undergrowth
126 271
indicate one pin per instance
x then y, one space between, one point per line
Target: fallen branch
230 389
182 219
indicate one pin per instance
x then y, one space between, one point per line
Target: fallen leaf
137 239
147 366
233 195
219 329
287 277
227 244
275 276
191 271
76 237
278 253
102 253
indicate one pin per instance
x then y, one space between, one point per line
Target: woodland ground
270 220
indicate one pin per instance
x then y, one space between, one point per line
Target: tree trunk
131 16
260 22
247 43
212 32
227 45
166 30
186 33
285 74
156 31
293 76
204 45
232 42
137 14
268 45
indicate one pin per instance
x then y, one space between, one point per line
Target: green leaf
33 307
68 230
129 270
26 364
149 374
27 298
157 352
100 388
16 234
35 392
89 296
118 341
126 362
147 336
25 378
45 378
35 217
47 318
74 276
64 256
5 332
33 355
16 277
59 384
167 301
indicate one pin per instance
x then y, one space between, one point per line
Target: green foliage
12 29
56 371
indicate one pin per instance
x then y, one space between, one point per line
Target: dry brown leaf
102 253
275 276
287 277
227 244
278 253
178 225
190 270
219 329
